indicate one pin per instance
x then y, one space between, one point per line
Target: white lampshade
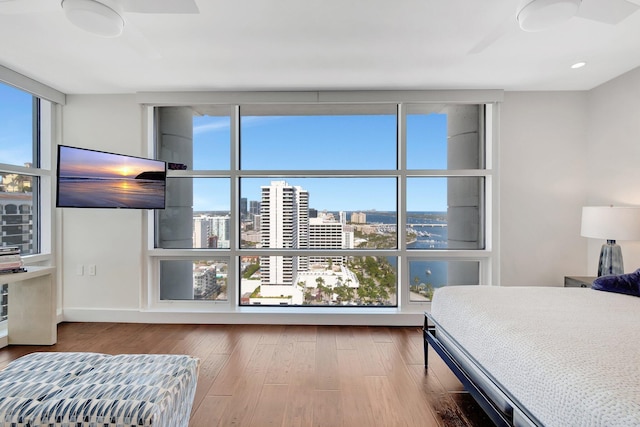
611 223
94 16
539 15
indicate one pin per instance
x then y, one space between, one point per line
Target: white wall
543 144
559 150
107 238
613 156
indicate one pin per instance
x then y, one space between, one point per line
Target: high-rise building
358 218
254 207
16 219
243 207
219 227
211 231
349 239
284 224
201 232
205 285
325 233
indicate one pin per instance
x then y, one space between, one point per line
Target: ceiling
317 45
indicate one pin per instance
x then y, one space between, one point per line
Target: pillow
628 284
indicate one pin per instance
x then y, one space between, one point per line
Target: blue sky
15 126
289 143
325 143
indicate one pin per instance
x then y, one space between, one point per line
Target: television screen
95 179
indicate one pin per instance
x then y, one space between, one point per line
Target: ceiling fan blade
138 42
27 6
607 11
160 6
497 32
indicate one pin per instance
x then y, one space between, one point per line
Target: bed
542 356
60 389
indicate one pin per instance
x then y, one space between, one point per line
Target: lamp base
610 262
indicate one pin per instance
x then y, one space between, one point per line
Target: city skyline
331 194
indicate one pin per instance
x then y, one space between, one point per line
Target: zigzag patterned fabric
98 390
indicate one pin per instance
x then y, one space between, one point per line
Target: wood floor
270 375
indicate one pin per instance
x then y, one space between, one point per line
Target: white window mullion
482 257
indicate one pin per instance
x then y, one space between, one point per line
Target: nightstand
578 281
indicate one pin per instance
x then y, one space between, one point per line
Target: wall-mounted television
97 179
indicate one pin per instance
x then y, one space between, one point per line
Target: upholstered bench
97 390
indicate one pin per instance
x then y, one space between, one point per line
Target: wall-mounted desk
32 306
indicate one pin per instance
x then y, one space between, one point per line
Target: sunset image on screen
88 178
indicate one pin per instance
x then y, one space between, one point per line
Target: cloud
217 124
210 127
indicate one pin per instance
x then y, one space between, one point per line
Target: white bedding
571 356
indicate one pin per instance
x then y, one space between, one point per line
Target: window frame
488 257
44 117
49 102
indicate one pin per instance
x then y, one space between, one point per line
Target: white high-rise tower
284 224
200 231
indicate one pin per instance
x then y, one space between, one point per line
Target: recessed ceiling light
579 64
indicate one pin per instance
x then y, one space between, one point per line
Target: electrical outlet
92 269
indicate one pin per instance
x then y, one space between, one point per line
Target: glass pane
211 142
444 137
4 301
196 215
18 212
427 275
445 213
320 213
197 137
319 281
318 137
17 127
204 279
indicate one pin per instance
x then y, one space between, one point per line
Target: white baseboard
258 316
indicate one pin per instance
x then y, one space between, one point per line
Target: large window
19 170
341 205
23 175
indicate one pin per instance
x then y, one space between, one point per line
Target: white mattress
571 356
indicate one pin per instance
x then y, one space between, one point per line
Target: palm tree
345 293
321 287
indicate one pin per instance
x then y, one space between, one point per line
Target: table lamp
611 223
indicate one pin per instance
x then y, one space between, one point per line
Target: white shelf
32 307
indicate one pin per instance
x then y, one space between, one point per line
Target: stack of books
10 260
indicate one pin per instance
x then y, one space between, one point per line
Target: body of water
111 193
429 237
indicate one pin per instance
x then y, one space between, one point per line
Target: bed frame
500 406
